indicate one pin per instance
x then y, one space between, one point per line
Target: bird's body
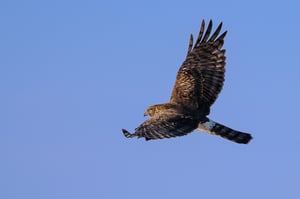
198 83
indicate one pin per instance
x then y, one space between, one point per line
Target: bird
198 83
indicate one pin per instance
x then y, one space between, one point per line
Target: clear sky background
74 73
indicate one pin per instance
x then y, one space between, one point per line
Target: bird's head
157 109
150 111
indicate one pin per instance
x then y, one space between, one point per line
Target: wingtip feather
127 134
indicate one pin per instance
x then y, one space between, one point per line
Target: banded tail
215 128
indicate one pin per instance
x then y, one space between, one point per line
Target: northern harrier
198 83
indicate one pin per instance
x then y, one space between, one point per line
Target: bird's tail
215 128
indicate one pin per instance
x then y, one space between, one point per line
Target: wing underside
164 126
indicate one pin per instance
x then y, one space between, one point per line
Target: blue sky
74 73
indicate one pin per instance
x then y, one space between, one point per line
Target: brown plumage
198 84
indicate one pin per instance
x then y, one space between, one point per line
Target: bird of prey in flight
198 84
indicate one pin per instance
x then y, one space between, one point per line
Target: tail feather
215 128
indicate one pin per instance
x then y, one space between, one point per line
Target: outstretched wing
164 125
201 76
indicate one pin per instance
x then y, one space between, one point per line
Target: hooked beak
145 113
